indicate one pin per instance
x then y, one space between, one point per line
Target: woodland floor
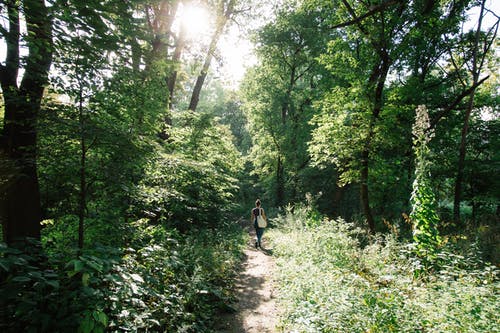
255 306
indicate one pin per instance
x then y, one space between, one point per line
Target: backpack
261 221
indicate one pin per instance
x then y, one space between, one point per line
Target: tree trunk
378 77
83 183
221 22
20 211
364 194
461 162
164 134
181 41
160 18
280 183
463 142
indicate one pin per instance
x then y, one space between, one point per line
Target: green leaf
85 279
87 324
100 317
103 319
21 279
4 266
53 283
78 265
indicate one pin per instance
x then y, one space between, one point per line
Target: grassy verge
329 283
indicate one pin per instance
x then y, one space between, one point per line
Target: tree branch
487 44
455 65
457 100
9 72
3 31
240 11
358 19
355 19
492 12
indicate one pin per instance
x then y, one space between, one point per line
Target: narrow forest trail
256 309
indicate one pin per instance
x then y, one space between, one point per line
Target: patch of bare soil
255 307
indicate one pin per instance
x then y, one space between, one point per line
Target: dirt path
256 308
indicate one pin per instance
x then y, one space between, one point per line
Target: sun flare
195 20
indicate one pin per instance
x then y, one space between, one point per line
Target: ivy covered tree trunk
423 215
20 211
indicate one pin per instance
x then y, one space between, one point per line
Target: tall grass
328 282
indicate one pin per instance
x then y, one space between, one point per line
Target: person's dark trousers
259 232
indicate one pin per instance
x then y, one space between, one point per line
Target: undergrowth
163 281
328 282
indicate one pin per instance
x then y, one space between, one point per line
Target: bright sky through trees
195 20
236 50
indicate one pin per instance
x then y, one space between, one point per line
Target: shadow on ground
254 309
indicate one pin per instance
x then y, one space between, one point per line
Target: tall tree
279 94
381 27
479 49
380 42
159 17
225 10
20 210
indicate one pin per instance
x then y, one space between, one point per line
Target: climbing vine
423 215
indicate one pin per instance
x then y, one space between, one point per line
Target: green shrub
327 282
162 282
47 294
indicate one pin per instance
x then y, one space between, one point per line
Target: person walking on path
259 229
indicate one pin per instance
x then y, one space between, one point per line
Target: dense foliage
136 194
162 281
333 98
331 278
125 160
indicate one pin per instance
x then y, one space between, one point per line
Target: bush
329 283
162 282
47 294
